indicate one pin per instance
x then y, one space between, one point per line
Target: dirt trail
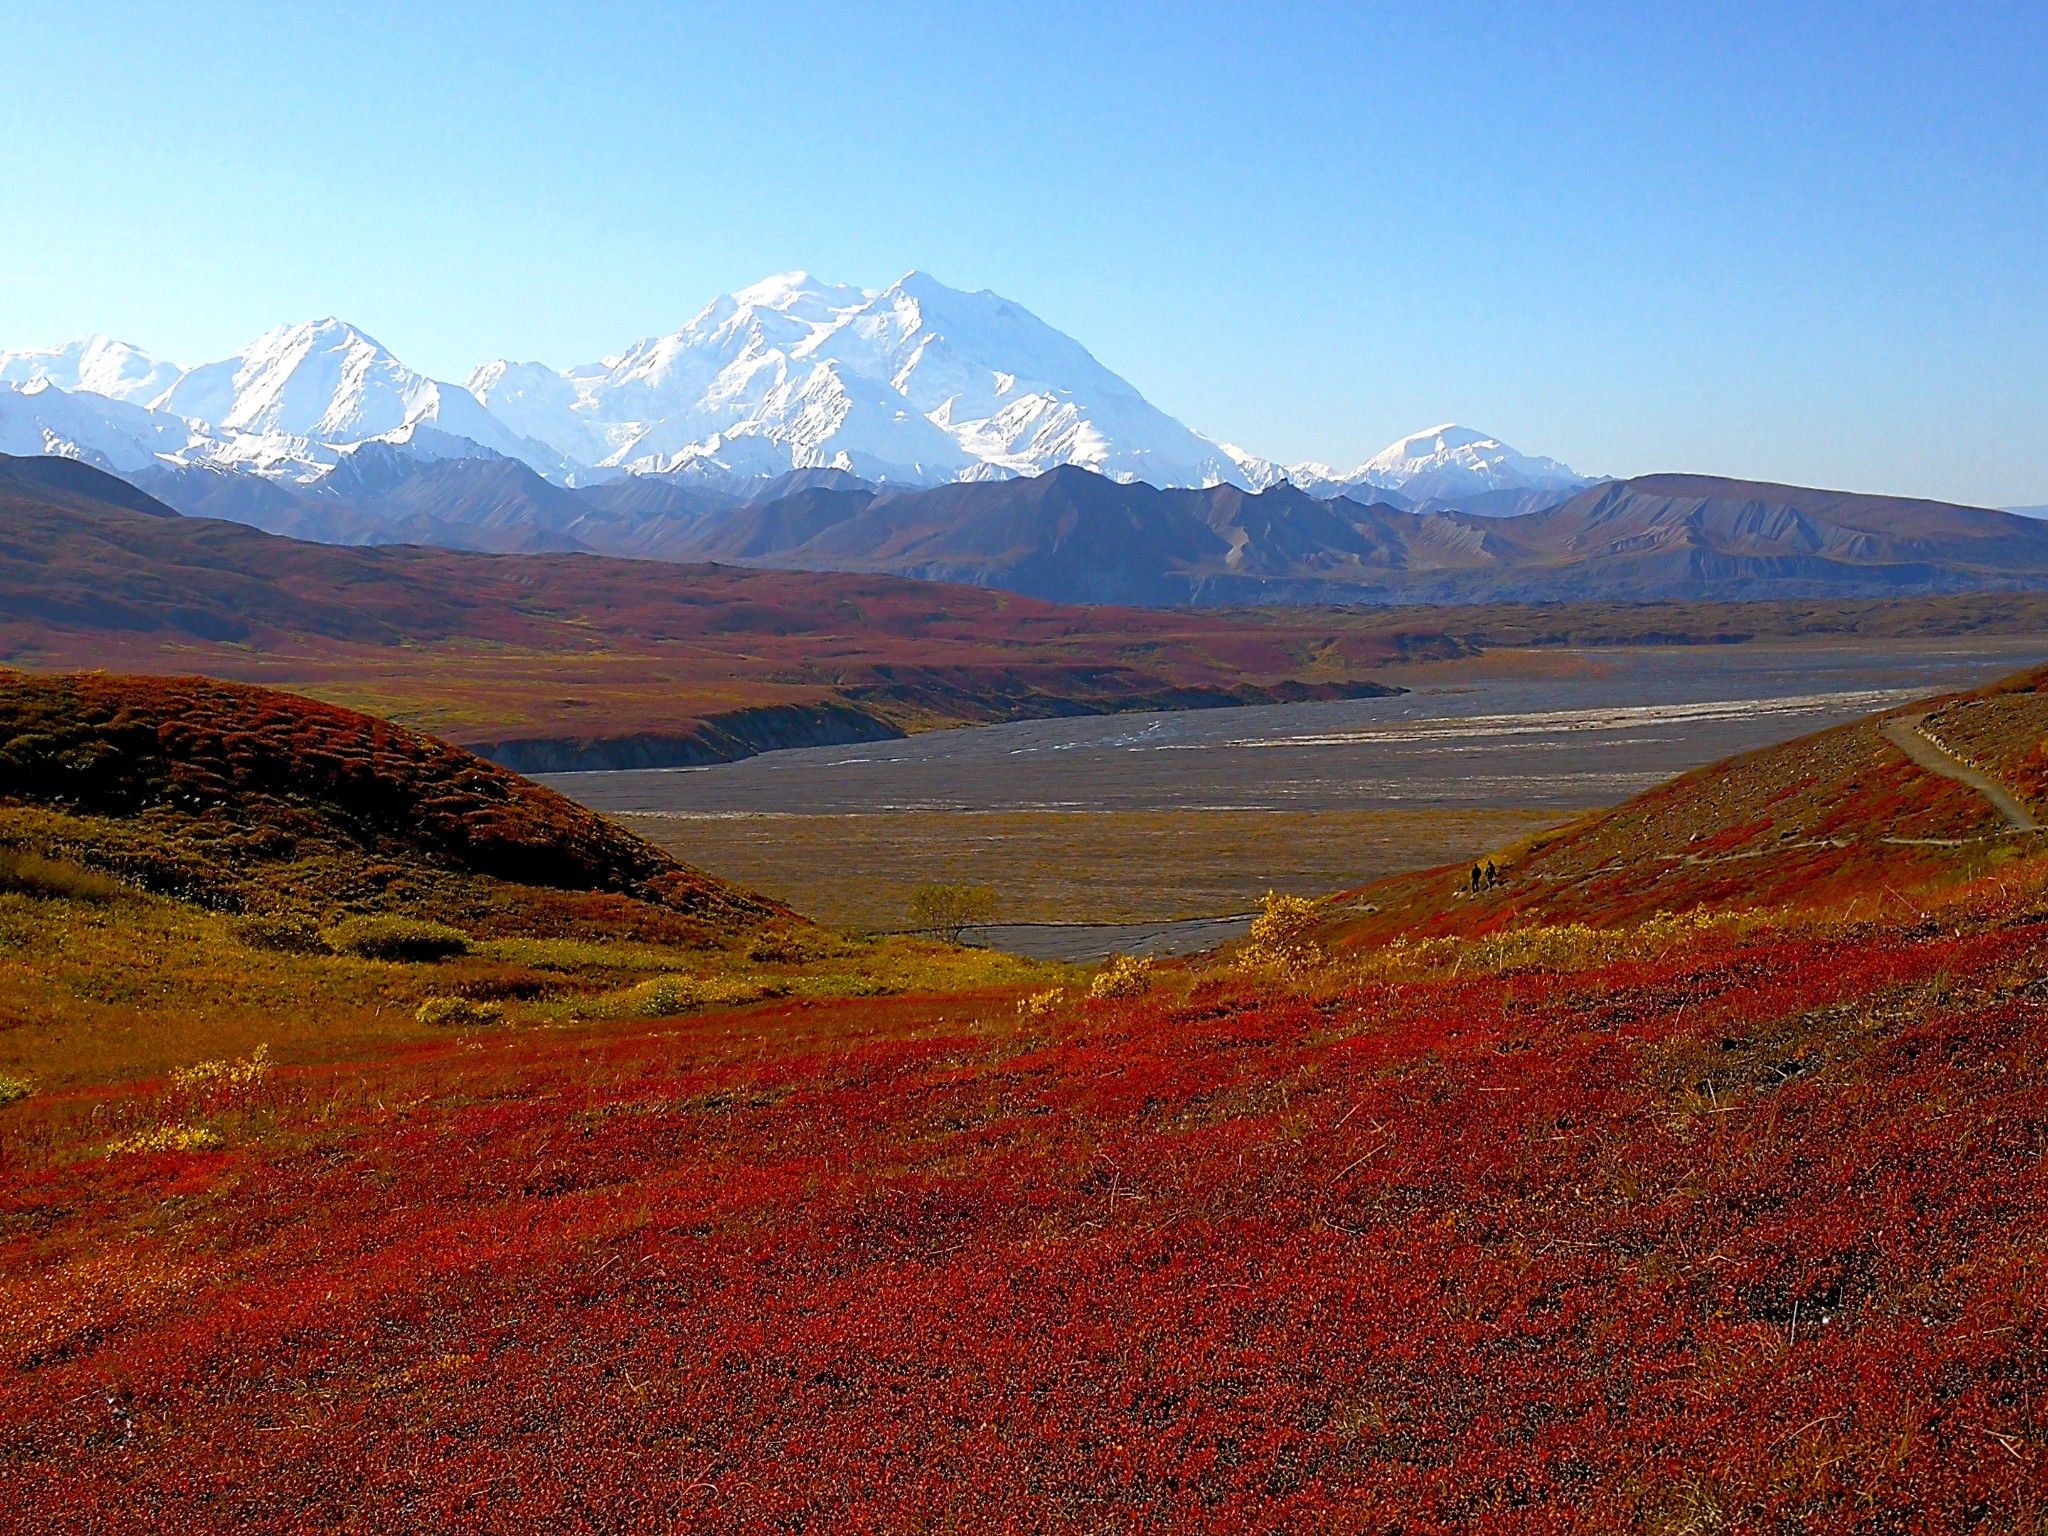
1903 731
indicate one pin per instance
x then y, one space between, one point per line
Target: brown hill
1070 535
242 797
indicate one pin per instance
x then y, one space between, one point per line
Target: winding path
1903 731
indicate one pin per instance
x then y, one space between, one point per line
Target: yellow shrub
1281 936
1551 946
169 1138
1125 976
224 1074
457 1012
35 875
1040 1005
664 997
14 1089
384 937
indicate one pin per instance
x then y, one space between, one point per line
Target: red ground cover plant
1749 1236
256 776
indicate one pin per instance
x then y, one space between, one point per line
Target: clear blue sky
1804 242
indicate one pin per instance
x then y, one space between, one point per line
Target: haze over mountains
917 384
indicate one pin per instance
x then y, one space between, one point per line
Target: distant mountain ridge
1071 536
917 384
1074 536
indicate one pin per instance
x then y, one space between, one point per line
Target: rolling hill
1068 535
246 799
1867 818
570 660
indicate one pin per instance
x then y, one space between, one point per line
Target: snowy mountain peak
785 291
917 382
1432 443
96 364
1442 462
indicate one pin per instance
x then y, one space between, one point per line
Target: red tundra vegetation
1735 1222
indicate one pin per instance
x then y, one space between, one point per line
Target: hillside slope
1864 818
1069 536
1737 1226
244 798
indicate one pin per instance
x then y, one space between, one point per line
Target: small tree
949 910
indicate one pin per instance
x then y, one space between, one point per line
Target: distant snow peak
98 365
1442 463
915 383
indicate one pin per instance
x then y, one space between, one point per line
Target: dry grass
1074 866
103 992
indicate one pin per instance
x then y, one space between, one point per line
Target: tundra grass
1075 866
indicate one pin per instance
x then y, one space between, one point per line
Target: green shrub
947 910
383 937
458 1012
285 935
35 875
14 1089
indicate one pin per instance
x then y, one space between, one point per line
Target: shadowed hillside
243 798
1070 535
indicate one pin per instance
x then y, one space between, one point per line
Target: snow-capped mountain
40 418
918 382
292 405
326 382
98 365
1442 464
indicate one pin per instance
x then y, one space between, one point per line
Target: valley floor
1082 867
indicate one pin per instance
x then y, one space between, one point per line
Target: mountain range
921 431
1070 535
916 384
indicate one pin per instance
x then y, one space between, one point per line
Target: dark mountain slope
69 484
1070 535
1073 536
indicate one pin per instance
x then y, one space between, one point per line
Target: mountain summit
916 384
1442 464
